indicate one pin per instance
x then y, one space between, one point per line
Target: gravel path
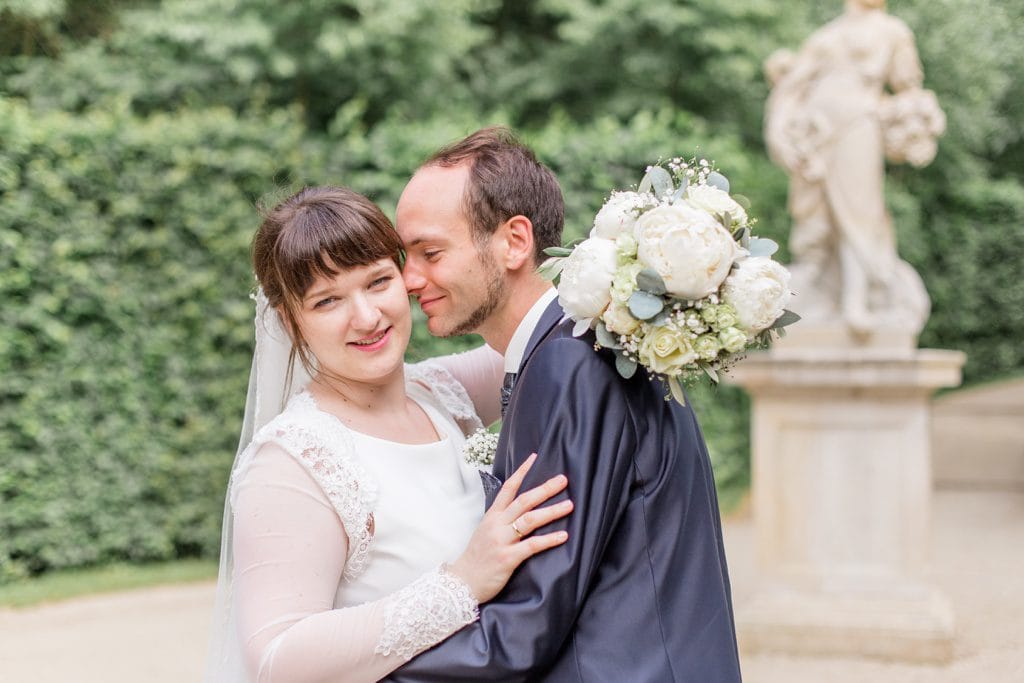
159 635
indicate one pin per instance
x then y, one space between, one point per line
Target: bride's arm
481 371
290 550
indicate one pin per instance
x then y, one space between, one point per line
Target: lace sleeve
448 391
289 556
323 447
424 613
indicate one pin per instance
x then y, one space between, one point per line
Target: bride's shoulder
324 448
433 382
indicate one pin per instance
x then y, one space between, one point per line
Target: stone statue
849 99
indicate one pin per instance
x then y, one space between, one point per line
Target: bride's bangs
331 232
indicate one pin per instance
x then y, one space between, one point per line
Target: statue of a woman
849 98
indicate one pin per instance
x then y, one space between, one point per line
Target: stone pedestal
841 501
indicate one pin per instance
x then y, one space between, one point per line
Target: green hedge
125 326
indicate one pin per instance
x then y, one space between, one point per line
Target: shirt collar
521 337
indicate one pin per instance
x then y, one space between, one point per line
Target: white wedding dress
339 537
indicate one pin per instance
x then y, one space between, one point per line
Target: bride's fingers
529 547
534 497
528 522
510 488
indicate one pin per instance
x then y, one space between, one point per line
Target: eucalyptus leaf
677 390
551 268
558 251
716 179
745 238
762 246
645 183
625 366
726 219
649 281
581 327
645 306
788 317
661 181
661 318
742 200
680 192
606 338
710 372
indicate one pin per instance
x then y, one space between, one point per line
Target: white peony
714 201
686 246
584 288
619 214
758 289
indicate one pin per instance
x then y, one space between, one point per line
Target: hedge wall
125 326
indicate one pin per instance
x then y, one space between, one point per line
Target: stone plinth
841 502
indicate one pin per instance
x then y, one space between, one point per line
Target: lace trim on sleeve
321 444
426 612
448 391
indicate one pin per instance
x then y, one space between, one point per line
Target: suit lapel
551 316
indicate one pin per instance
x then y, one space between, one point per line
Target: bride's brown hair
318 231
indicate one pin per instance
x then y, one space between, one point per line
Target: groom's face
457 281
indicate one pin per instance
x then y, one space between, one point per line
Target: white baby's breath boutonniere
480 448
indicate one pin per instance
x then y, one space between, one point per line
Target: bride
347 511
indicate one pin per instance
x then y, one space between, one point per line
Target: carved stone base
842 501
882 341
890 627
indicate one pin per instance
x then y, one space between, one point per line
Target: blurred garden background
138 137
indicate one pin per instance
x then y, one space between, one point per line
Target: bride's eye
324 302
381 281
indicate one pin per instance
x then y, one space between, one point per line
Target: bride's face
357 323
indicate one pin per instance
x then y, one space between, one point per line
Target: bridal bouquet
671 279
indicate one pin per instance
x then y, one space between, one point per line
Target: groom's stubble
494 297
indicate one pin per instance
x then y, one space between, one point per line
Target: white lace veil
269 391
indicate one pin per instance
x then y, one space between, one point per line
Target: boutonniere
480 448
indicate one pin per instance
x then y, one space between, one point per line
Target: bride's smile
357 322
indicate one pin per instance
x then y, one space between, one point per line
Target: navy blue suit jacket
640 591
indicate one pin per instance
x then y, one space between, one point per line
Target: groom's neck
523 293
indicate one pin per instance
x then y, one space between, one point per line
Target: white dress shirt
521 337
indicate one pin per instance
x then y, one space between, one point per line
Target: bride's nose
365 315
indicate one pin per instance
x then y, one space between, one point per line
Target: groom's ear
514 242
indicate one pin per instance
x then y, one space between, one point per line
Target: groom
640 592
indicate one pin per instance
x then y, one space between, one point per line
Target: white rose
759 291
584 288
665 350
714 201
619 214
688 248
733 340
619 320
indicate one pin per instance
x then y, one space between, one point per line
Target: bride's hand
502 540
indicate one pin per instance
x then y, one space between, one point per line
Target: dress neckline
427 410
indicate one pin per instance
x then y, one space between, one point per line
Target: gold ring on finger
516 529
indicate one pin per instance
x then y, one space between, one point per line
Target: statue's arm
905 72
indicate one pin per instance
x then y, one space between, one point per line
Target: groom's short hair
506 180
